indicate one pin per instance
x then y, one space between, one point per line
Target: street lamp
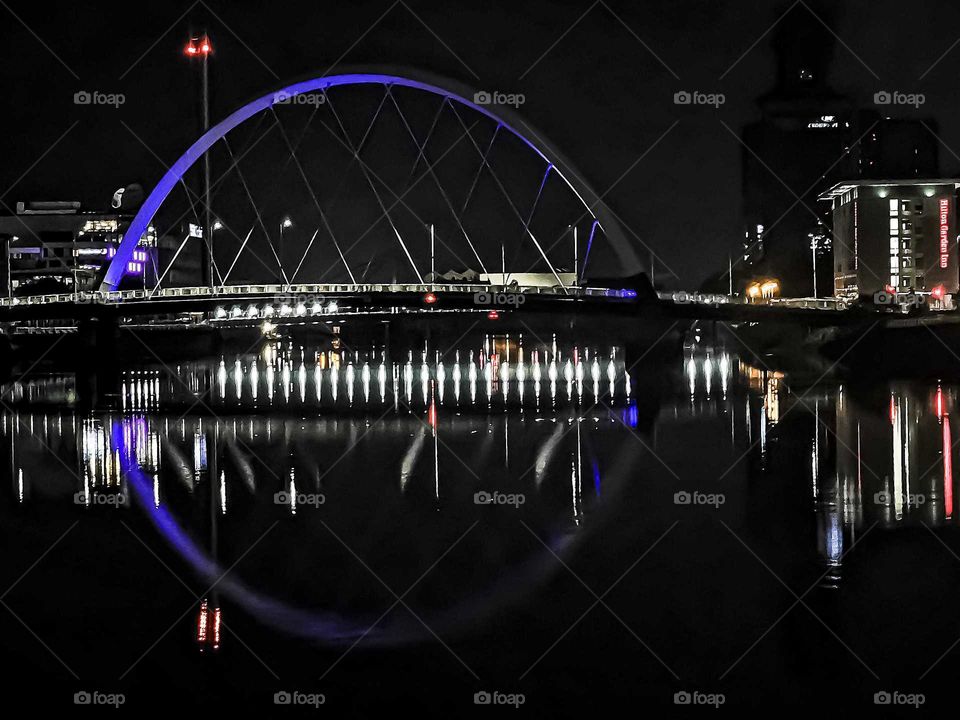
286 222
201 47
818 241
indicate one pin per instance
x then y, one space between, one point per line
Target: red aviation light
430 298
198 46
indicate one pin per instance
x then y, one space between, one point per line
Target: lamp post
819 240
813 254
284 223
200 47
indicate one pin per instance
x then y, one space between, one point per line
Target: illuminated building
895 236
58 247
807 138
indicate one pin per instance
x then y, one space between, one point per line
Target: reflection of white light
301 309
285 310
252 311
332 307
235 311
220 312
316 309
223 493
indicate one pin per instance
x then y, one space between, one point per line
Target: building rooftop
842 187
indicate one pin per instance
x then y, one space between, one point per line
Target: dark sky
602 90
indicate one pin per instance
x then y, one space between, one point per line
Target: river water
550 523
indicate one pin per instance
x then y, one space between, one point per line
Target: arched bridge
373 191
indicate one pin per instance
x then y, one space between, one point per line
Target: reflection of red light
202 624
216 628
208 627
940 403
493 315
190 49
429 298
947 468
432 415
893 410
890 289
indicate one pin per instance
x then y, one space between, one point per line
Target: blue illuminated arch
115 271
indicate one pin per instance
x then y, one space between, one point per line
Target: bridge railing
90 297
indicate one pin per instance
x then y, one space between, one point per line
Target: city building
58 247
808 138
895 236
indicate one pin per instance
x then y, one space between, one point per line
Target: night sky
599 80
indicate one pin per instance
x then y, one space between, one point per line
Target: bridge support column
97 364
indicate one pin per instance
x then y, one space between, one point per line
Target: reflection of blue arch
158 195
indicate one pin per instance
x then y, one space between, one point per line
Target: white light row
283 310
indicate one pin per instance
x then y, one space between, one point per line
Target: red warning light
198 46
938 292
493 315
430 298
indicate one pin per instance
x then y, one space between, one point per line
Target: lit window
894 226
893 207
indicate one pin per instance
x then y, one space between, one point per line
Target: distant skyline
598 79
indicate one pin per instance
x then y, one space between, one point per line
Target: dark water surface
544 519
